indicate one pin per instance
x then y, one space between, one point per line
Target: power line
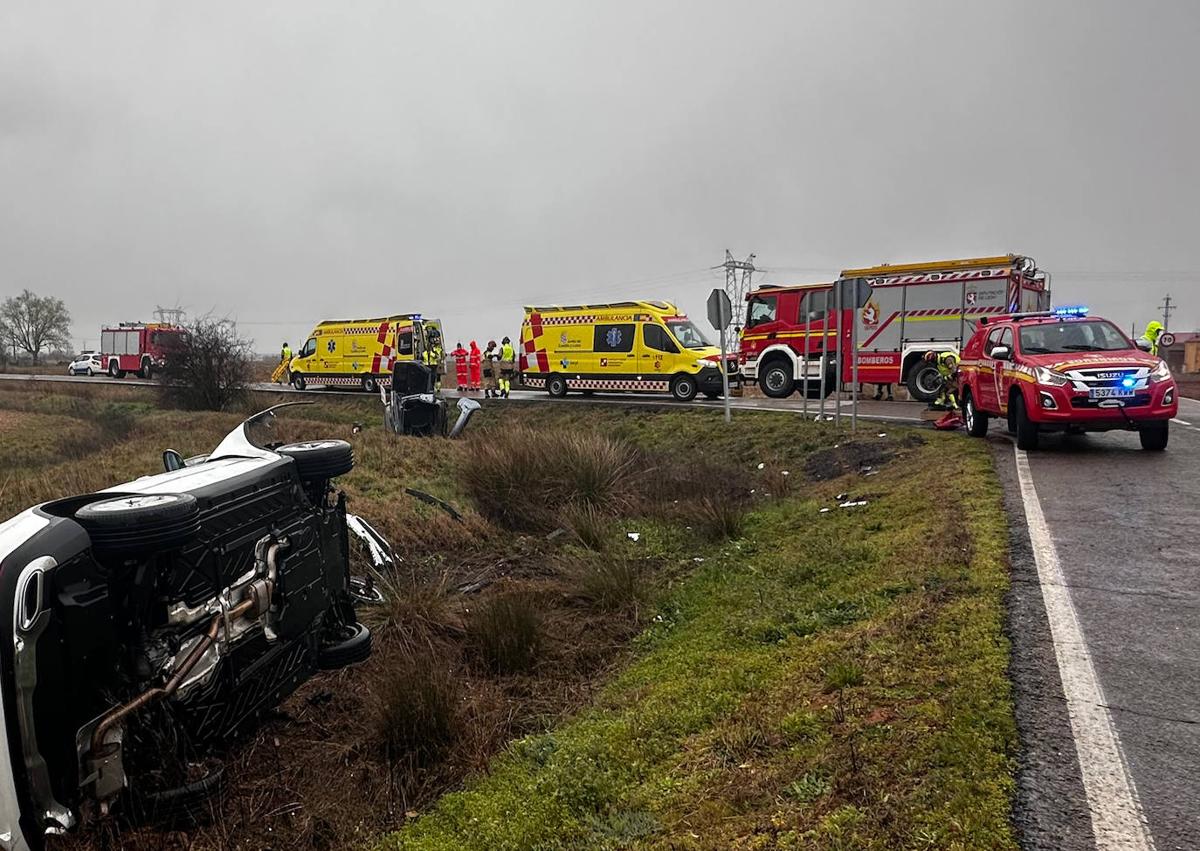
737 283
1167 309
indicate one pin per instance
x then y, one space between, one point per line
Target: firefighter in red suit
475 364
460 367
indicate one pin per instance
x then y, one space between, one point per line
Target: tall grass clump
720 518
612 584
416 708
588 524
521 477
506 631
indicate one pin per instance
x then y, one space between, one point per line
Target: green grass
826 681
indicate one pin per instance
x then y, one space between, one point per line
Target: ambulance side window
310 347
614 338
404 343
655 337
762 310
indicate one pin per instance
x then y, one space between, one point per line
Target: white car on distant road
85 363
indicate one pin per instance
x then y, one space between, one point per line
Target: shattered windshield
688 335
1049 338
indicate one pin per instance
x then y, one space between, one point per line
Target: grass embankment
750 672
829 680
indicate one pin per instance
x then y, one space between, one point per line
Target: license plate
1111 393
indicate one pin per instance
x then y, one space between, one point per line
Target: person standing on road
508 357
285 359
879 388
1150 338
491 370
461 378
474 365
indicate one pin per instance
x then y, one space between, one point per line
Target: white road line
1181 422
1118 821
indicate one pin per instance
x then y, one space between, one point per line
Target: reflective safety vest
286 353
507 352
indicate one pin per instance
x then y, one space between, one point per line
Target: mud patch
855 455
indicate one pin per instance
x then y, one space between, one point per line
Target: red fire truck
896 314
138 347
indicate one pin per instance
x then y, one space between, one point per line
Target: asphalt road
1124 528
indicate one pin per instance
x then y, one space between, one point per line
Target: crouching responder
508 366
1149 340
947 367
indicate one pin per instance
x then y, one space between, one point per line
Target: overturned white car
164 615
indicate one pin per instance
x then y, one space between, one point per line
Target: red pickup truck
1064 371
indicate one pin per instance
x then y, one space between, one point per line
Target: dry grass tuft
505 630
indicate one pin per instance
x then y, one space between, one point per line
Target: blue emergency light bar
1071 310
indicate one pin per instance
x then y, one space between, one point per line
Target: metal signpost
824 355
837 384
720 314
807 351
854 362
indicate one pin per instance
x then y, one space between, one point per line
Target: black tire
114 371
711 395
1027 430
924 382
298 381
683 388
320 460
556 386
1154 437
775 379
90 373
369 384
140 522
976 420
588 392
146 371
347 646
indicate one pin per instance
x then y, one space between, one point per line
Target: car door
653 354
985 383
998 393
613 343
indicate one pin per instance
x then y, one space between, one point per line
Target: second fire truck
895 313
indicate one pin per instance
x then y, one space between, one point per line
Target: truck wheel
683 388
1027 430
318 460
113 370
346 646
141 522
146 371
556 386
776 380
298 380
924 382
976 420
711 395
1154 436
369 383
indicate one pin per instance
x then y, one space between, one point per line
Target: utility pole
737 284
1166 307
170 315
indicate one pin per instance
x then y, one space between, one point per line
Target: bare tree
207 368
33 323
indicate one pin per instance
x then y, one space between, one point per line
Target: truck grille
1088 379
1130 402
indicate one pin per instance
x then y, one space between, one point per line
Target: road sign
1166 338
720 310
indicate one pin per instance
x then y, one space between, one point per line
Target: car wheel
588 392
90 372
369 383
298 381
140 522
683 388
320 459
1027 430
776 380
1154 436
344 646
976 420
556 386
924 382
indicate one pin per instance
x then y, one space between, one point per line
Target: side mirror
1142 343
1002 353
172 460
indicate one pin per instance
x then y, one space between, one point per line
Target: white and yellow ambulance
630 346
362 352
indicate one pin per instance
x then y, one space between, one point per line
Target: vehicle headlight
1161 372
1050 377
705 364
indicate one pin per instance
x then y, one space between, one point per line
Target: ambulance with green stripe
629 346
892 315
361 352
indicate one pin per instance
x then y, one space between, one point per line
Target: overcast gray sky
286 162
